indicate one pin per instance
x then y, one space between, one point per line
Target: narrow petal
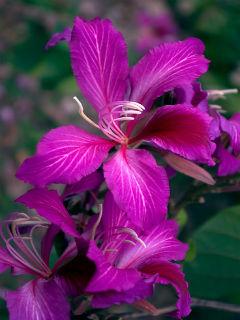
189 168
65 35
160 244
99 61
169 273
166 67
141 290
48 204
108 277
38 300
47 242
139 186
229 164
90 182
64 155
183 130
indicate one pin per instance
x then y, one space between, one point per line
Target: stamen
217 107
216 94
132 233
22 247
83 115
129 241
94 229
121 111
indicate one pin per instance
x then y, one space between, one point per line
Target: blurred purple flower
123 98
154 30
225 132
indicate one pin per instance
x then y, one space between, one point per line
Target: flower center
114 117
112 123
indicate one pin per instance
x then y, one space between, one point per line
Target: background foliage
36 90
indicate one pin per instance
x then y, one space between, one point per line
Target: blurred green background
36 90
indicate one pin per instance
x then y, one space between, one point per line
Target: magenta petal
232 128
183 130
65 35
99 61
48 204
169 273
108 277
113 217
229 164
64 155
141 290
166 67
160 245
90 182
139 186
38 300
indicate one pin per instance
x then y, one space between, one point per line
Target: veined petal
139 186
108 277
38 300
113 217
90 182
116 228
166 67
183 130
64 155
170 273
99 61
48 204
161 244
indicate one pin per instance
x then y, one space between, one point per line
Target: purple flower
124 254
225 132
154 29
28 244
123 97
228 146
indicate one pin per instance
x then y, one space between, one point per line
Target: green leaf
215 271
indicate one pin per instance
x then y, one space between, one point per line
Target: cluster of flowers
118 254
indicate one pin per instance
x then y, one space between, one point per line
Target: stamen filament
94 229
83 115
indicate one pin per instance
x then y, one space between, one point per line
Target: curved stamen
133 234
83 115
22 247
94 229
121 230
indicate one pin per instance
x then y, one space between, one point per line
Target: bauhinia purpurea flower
123 97
111 261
